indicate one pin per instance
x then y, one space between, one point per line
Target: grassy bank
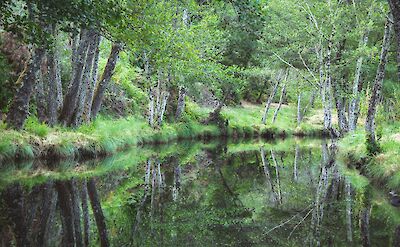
383 168
106 136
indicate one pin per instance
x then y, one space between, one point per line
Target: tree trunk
93 82
376 90
164 96
395 10
158 95
299 117
105 79
326 88
180 108
86 81
354 108
41 78
74 55
270 98
19 108
98 212
309 105
151 108
283 94
55 88
340 108
72 96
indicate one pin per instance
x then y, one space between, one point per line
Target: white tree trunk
271 97
376 90
151 108
299 117
164 96
357 84
283 94
326 88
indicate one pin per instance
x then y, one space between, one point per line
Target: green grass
107 135
383 168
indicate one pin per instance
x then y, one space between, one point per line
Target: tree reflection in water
264 195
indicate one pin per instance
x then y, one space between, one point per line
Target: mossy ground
107 136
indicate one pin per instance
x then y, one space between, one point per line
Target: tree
395 10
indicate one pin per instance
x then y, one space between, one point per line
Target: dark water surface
284 193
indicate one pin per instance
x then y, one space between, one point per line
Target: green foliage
33 126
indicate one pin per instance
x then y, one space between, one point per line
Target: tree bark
164 98
283 94
299 117
395 10
93 82
55 88
376 90
354 107
86 81
340 108
270 98
19 108
105 79
151 108
41 78
72 96
326 88
98 213
180 108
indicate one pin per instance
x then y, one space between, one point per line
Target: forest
178 85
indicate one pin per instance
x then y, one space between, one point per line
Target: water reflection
290 194
51 214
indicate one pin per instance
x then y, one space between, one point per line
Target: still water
251 193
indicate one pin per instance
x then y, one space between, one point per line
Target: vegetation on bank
106 136
382 166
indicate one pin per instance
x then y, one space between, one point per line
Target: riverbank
382 169
107 136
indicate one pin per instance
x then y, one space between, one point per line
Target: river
290 192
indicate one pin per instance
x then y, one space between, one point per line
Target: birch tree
377 87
